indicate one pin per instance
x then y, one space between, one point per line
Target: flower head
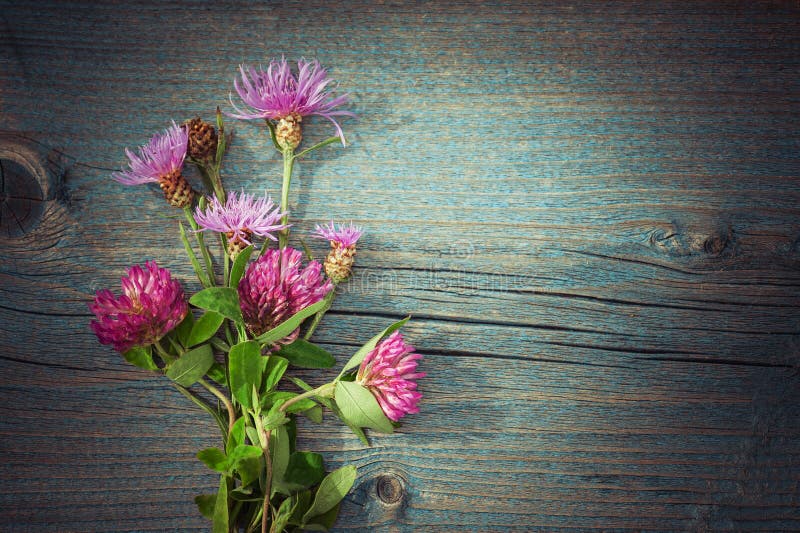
340 260
343 235
389 372
277 94
275 287
151 305
161 161
240 218
202 143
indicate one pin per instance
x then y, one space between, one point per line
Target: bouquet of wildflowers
232 347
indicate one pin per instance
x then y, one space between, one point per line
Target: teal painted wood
591 211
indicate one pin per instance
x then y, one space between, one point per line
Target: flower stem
328 303
288 164
224 399
198 270
263 436
200 241
323 390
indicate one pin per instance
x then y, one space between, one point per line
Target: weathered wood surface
591 211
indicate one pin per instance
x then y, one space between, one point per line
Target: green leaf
236 434
214 458
283 515
252 434
246 460
223 300
331 491
239 264
314 414
278 398
205 504
183 329
305 469
302 504
360 407
279 448
274 419
221 524
141 356
290 324
369 346
325 521
217 373
306 354
276 366
246 367
205 328
191 366
357 431
245 494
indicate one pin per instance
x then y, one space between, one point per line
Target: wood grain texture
590 210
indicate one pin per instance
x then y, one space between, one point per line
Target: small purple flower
161 161
389 372
163 155
340 260
151 305
275 287
240 218
276 93
344 235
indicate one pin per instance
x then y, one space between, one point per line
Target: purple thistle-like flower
163 155
241 217
151 305
343 234
389 372
276 93
275 287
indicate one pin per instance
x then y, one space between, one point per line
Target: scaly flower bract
151 305
276 93
275 287
389 372
340 260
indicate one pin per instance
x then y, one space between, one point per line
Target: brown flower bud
176 189
202 144
289 132
340 260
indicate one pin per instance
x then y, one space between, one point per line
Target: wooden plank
591 211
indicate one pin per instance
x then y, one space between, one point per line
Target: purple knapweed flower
340 260
344 235
161 161
389 372
277 94
151 305
240 218
275 287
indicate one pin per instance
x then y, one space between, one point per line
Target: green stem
264 436
328 303
224 399
201 242
323 391
288 164
326 142
204 281
163 353
205 407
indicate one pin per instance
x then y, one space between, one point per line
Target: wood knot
390 489
25 186
716 243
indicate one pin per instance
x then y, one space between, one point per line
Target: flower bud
288 131
176 189
339 263
202 144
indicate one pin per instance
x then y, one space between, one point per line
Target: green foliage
246 367
223 300
141 356
331 491
304 354
205 504
191 366
205 328
239 265
289 325
304 470
359 407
